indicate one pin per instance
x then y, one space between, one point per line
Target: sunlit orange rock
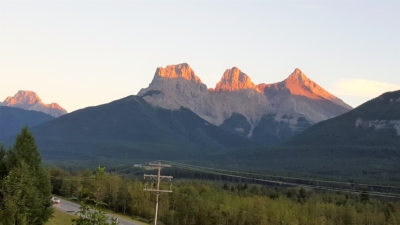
23 98
178 71
298 84
234 79
296 97
29 100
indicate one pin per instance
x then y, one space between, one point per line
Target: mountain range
364 142
265 113
132 128
178 117
29 100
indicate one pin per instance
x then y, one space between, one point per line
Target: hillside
363 143
131 128
374 123
13 119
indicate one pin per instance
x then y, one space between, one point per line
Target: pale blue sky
86 53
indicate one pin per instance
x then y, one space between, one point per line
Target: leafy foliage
86 215
209 203
25 186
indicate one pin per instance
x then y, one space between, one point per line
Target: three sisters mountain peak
173 81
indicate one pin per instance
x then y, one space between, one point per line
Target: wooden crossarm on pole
158 177
158 165
160 191
155 176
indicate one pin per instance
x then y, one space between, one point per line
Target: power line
285 177
380 194
196 168
92 177
128 168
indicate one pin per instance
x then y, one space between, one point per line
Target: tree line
208 203
26 188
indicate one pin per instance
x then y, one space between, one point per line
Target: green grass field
60 218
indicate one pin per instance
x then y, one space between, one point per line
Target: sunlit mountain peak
22 98
234 79
29 100
182 70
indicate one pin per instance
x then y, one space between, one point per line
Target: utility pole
158 177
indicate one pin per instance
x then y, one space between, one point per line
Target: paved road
72 208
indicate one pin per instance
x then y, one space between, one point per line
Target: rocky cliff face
234 80
300 94
298 84
29 100
176 86
379 125
182 71
285 107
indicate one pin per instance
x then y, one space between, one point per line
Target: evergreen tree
3 169
25 188
24 149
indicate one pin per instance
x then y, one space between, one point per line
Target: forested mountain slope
13 119
131 128
374 123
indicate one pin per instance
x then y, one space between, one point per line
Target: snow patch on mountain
379 124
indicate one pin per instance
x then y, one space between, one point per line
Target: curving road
72 208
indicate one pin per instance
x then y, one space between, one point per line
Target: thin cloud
363 88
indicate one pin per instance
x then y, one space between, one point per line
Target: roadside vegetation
60 218
212 202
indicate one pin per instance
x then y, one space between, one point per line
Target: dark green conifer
25 189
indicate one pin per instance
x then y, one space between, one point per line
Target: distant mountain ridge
374 123
29 100
13 119
362 143
286 107
132 128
